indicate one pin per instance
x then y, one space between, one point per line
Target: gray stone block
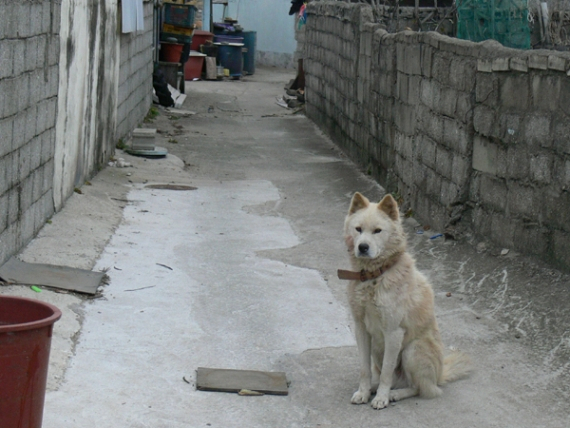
487 89
485 156
502 230
6 58
456 136
493 193
484 120
537 129
444 162
537 61
521 201
518 164
557 63
6 134
546 91
460 169
519 64
514 92
540 169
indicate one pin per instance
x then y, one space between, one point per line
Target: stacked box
143 139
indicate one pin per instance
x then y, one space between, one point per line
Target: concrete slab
15 271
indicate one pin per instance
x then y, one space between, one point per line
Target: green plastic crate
503 20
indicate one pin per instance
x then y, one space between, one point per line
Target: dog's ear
389 205
358 202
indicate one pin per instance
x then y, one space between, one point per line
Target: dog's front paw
380 401
360 397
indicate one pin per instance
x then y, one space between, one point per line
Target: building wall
468 134
274 27
29 54
135 75
71 86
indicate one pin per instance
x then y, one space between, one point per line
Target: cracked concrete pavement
240 273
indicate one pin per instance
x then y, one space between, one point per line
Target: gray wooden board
226 380
15 271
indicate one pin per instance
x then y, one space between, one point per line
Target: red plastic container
194 65
199 38
25 339
170 52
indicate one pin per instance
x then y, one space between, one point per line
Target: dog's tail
456 365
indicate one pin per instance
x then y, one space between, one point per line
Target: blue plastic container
230 56
181 15
249 41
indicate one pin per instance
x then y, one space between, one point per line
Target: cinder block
485 156
485 65
460 169
6 135
540 169
518 164
537 61
484 120
443 161
556 62
521 201
514 92
500 64
493 193
519 64
6 58
456 136
449 193
560 247
502 230
546 92
537 129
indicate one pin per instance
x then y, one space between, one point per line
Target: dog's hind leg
422 363
400 394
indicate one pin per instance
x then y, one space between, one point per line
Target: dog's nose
363 248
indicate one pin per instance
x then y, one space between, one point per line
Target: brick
514 92
521 200
443 161
460 169
539 62
487 89
556 63
484 120
546 91
537 129
500 64
493 193
540 169
6 135
485 156
518 64
485 65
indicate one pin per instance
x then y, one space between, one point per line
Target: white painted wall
88 82
271 20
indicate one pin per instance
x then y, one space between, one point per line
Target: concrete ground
240 273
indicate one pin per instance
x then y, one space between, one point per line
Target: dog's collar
365 275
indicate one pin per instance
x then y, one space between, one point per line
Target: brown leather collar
364 275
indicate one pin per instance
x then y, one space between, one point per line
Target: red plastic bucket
25 339
170 52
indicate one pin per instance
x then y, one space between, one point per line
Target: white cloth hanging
133 15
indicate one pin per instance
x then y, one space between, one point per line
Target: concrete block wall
469 134
29 53
135 75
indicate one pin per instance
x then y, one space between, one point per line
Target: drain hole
171 187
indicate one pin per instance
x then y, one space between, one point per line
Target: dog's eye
377 230
359 229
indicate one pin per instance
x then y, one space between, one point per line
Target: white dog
392 304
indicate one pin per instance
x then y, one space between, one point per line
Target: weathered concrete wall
71 86
29 53
87 92
135 75
468 134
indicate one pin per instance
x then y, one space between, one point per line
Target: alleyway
240 273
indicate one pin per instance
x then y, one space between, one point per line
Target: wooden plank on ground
227 380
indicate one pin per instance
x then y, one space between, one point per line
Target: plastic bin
200 37
230 56
181 15
170 52
26 327
194 65
249 41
